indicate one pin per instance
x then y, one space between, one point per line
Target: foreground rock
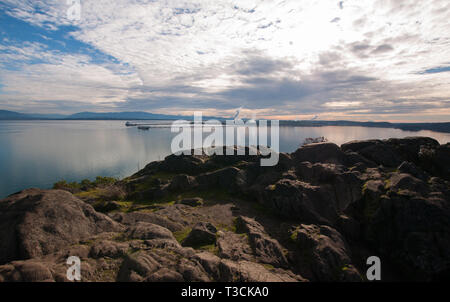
325 254
36 222
316 216
265 248
202 234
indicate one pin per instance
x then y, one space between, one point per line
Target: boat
143 127
130 124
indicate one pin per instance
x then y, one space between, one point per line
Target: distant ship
130 124
143 127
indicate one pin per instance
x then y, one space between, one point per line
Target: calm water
39 153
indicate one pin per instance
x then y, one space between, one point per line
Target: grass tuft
181 235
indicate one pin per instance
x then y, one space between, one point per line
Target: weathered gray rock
25 271
324 252
349 227
202 233
158 265
345 185
408 148
354 160
266 249
258 179
439 187
246 271
300 200
410 168
148 231
382 154
392 152
110 249
319 172
348 189
165 275
436 161
107 206
135 217
210 263
232 158
227 178
234 246
412 231
192 272
38 222
319 153
399 182
356 146
182 182
186 164
151 194
364 209
136 267
192 202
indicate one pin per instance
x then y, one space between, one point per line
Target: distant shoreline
442 127
414 127
436 127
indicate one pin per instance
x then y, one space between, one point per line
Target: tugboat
130 124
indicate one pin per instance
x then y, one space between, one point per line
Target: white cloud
61 77
183 51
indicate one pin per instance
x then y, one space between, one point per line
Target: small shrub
86 184
104 181
64 185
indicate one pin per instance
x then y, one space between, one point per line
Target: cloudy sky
289 59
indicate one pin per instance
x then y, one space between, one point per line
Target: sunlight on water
39 153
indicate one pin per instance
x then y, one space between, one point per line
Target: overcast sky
289 59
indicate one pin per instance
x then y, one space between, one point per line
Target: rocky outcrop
266 249
26 271
148 231
36 222
413 231
182 182
192 202
203 233
324 253
183 163
233 246
319 153
245 271
316 216
299 200
229 179
436 160
136 217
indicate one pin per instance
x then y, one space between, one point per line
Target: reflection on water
39 153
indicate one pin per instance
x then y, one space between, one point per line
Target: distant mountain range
11 115
123 116
139 115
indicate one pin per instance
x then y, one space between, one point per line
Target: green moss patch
212 248
229 227
181 235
